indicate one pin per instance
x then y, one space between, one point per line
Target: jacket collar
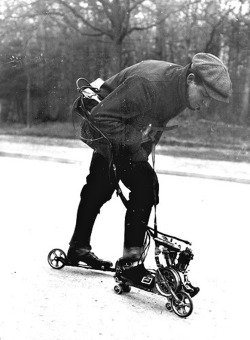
183 87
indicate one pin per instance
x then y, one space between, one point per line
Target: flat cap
214 75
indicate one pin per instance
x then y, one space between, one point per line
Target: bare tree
112 19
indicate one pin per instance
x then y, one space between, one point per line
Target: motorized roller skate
169 279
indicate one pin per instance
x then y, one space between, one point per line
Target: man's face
197 95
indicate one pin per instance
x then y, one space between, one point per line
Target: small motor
184 258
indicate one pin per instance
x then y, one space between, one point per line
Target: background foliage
47 44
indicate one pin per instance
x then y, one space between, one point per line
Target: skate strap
153 163
118 188
155 223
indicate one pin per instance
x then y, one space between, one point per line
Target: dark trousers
138 177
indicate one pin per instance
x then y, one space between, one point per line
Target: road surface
38 202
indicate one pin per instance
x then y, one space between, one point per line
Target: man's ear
190 78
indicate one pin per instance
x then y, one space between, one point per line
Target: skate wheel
126 288
118 289
57 258
184 306
168 306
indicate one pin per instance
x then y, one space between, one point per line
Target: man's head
208 79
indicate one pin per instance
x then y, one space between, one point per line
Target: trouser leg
142 182
97 190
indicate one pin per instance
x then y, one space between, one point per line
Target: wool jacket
143 96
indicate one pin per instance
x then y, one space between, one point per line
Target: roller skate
131 273
57 259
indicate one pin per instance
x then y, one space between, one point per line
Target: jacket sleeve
121 116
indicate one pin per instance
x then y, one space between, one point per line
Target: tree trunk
116 57
28 103
160 39
245 100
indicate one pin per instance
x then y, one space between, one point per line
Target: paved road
38 203
74 151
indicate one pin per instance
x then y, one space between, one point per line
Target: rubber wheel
57 258
168 306
169 275
118 289
126 288
184 307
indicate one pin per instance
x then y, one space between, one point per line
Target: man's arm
120 116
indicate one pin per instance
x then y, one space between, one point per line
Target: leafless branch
79 16
137 3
